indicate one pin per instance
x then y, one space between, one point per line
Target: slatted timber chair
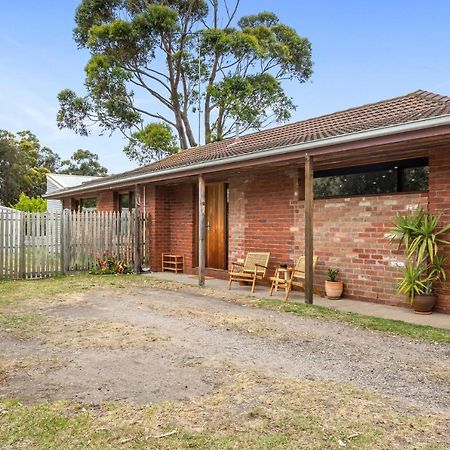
296 278
254 267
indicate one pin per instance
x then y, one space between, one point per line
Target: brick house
363 164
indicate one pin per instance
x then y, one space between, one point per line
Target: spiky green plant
333 274
421 236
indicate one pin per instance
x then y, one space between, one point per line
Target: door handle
208 226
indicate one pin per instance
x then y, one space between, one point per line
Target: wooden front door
216 225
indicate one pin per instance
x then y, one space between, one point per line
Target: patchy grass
14 292
256 327
21 325
252 411
398 327
42 364
95 334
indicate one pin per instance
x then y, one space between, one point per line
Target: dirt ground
153 345
148 345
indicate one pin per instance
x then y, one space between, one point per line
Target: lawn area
16 291
131 362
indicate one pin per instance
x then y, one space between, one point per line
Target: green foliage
83 162
156 140
110 265
421 236
148 57
332 274
31 204
23 166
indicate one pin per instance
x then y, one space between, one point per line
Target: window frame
400 166
131 201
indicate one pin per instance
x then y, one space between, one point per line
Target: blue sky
363 51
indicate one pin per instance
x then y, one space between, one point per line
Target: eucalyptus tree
154 64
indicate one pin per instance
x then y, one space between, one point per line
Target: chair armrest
260 265
233 264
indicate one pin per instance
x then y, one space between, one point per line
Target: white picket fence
38 245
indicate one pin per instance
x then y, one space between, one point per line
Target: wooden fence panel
38 245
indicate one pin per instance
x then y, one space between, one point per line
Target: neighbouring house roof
414 107
6 209
62 181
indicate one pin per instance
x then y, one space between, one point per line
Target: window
386 178
88 204
126 201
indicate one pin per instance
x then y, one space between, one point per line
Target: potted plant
421 237
333 287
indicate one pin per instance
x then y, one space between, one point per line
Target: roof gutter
305 147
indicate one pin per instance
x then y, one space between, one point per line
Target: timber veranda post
309 246
201 230
137 229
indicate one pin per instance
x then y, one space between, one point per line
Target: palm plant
421 236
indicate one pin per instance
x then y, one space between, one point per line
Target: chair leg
229 283
287 290
253 284
271 287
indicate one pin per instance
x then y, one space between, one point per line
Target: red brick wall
106 201
182 222
439 202
350 233
261 215
171 210
156 204
266 214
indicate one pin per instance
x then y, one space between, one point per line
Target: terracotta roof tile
396 111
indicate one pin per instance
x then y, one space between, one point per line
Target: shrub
30 204
109 264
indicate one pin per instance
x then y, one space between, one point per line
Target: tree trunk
179 122
188 130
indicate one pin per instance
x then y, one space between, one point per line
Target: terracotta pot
334 289
423 304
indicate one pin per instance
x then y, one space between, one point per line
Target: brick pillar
156 206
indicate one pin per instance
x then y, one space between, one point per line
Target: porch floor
362 307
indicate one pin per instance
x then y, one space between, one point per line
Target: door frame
226 227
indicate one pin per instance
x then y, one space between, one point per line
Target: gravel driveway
197 341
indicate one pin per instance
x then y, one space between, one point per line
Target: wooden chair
296 278
254 267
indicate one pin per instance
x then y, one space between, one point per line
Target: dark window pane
124 202
389 178
379 182
88 204
415 179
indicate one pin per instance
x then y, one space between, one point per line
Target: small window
387 178
88 204
126 201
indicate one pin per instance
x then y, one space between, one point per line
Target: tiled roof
396 111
